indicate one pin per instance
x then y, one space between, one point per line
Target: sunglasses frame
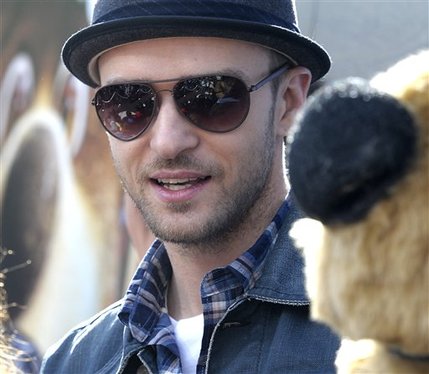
252 88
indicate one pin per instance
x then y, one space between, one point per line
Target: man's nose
171 134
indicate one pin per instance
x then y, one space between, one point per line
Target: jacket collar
282 278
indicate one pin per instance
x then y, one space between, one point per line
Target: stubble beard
241 203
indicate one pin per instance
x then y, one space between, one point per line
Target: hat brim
83 48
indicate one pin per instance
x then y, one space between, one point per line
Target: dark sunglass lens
125 110
216 103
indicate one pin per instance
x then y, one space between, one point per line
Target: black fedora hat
270 23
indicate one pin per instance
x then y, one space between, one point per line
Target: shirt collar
144 301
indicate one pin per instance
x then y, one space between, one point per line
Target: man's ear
292 94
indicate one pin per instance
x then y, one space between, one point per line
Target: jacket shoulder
89 346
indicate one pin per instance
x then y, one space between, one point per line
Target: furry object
358 162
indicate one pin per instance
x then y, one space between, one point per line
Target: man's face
193 186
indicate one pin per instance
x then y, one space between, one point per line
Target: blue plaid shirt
144 310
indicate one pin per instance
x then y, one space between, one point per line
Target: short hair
276 60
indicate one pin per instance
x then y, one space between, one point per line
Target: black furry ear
348 146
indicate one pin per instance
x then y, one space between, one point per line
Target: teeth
176 181
176 187
178 184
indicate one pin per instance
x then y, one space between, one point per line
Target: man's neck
191 264
184 299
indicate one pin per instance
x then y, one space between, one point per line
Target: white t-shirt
189 334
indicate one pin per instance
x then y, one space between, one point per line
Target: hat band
202 9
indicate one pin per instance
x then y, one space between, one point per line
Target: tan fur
368 357
369 280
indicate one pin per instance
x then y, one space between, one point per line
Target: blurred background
61 203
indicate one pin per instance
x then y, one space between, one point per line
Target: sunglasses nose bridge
158 96
164 90
158 101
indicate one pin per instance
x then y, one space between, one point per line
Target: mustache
182 161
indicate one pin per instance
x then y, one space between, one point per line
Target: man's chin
193 236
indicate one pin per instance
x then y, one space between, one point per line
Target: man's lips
177 181
176 184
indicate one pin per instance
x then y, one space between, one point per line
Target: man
196 98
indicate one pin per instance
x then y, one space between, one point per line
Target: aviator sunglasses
215 103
